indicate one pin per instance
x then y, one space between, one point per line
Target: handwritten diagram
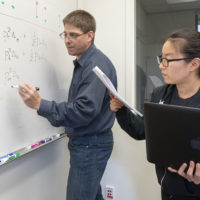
10 54
36 9
8 3
27 36
11 76
16 54
45 14
40 12
59 21
8 34
19 41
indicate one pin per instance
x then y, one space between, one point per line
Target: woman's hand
192 174
115 104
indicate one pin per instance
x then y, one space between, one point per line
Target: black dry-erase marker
17 86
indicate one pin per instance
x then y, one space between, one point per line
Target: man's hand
30 96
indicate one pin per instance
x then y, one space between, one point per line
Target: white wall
127 170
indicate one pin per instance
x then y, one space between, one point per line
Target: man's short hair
81 19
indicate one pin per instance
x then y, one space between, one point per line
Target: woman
180 68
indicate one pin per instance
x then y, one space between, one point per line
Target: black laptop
172 134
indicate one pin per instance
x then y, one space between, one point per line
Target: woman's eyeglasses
165 61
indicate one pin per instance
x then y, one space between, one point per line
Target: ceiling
159 6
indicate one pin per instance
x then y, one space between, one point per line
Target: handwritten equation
19 48
11 76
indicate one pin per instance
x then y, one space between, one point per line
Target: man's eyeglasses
165 61
70 36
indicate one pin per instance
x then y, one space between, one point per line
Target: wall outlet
109 192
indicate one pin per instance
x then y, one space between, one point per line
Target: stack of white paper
106 81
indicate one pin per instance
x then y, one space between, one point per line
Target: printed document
106 81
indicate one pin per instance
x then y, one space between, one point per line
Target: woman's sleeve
131 123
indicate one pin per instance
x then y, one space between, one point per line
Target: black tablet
172 134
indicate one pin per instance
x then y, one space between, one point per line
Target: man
86 115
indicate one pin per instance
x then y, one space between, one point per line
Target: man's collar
85 56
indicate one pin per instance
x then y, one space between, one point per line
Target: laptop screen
172 134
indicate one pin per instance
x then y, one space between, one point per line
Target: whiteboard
31 52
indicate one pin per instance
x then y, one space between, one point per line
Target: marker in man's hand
17 86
